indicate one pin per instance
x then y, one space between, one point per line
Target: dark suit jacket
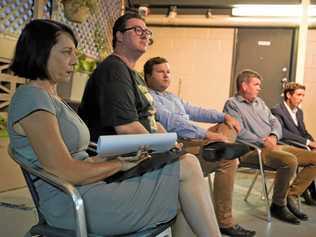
289 129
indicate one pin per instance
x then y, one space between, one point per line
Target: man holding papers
116 101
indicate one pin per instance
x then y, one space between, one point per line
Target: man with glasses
110 90
116 101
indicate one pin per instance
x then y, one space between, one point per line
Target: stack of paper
113 145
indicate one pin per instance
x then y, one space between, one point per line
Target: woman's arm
42 130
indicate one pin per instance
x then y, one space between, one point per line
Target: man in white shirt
293 127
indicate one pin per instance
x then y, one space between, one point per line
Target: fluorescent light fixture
270 10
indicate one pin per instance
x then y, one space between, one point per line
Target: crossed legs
195 201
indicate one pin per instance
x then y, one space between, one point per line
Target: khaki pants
224 176
285 160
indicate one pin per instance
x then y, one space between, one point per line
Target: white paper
111 145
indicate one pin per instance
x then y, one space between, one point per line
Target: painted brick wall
200 61
310 82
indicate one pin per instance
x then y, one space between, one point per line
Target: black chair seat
50 231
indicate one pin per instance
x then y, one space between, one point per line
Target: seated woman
46 132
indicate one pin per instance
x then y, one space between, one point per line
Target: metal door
269 52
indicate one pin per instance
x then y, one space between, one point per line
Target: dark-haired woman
45 132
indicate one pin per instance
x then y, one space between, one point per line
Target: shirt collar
158 92
242 99
289 109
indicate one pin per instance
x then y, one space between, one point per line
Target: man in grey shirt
260 127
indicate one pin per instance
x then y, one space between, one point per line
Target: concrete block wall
200 61
310 82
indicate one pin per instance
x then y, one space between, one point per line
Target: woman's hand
178 146
129 162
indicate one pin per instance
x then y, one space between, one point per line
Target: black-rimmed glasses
139 31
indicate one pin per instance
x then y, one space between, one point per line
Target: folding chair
260 168
42 228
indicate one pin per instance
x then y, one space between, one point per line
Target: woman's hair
120 24
291 87
34 46
149 66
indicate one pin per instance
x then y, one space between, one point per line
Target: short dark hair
291 87
245 76
33 48
120 24
149 65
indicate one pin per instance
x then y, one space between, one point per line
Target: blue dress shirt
177 116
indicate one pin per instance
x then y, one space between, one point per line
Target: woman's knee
189 165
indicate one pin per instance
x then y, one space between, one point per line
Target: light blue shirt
177 116
255 118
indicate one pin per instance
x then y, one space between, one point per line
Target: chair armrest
193 146
297 144
255 147
65 187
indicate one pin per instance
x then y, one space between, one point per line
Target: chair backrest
30 184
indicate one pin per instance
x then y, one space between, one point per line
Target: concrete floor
17 213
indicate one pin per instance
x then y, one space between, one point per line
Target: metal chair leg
210 183
251 186
264 187
299 203
269 191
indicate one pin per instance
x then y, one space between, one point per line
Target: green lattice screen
14 14
96 31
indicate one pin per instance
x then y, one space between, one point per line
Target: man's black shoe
293 208
237 231
283 214
308 198
312 190
223 151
